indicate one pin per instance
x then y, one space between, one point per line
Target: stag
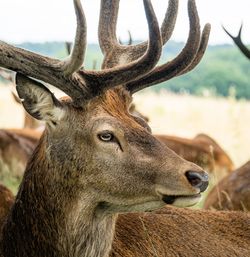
96 160
232 192
238 42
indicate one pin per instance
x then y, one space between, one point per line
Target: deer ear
38 101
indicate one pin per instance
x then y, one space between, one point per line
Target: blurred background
212 99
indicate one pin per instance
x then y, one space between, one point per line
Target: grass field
226 120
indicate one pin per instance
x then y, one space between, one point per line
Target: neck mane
51 218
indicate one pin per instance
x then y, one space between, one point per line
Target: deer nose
197 179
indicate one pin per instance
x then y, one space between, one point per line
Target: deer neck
50 219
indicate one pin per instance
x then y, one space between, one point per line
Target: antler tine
68 46
119 75
130 39
237 40
180 63
201 51
107 24
76 58
169 21
51 70
167 29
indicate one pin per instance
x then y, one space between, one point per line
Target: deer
95 160
238 42
232 192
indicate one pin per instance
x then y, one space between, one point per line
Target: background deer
238 42
15 150
72 190
232 192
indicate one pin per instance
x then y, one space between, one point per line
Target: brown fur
231 193
174 232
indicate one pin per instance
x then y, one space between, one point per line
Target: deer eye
106 136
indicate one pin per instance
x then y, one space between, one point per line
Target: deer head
95 159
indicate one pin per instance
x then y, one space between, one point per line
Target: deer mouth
181 200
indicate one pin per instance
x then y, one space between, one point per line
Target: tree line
224 71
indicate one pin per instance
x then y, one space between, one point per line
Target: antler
111 48
67 75
68 46
183 63
130 39
189 57
237 40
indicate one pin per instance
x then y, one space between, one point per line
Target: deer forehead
115 104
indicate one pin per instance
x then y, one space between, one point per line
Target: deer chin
105 208
181 200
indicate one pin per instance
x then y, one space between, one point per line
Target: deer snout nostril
197 180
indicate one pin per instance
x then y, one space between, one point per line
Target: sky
54 20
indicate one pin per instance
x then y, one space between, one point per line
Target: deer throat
92 238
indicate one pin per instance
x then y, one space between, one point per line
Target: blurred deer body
232 192
15 150
184 232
